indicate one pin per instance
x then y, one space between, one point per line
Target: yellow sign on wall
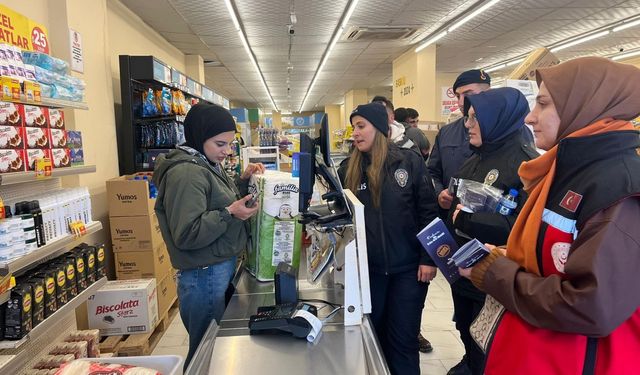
20 31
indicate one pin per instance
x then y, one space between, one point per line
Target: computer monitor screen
307 165
325 141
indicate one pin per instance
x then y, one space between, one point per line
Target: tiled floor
437 327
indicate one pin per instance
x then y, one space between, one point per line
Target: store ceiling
509 29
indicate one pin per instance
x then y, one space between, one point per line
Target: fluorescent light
327 52
473 14
494 68
580 40
232 13
515 62
247 48
431 41
625 55
626 25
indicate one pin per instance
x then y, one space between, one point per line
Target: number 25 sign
39 40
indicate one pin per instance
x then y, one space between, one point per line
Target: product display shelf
48 251
178 118
54 320
49 102
20 177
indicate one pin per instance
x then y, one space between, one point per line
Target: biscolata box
275 229
124 307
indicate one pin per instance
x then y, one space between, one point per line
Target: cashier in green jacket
203 216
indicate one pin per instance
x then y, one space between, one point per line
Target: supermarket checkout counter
229 349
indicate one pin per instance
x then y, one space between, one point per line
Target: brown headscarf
588 89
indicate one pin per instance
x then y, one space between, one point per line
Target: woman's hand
239 210
456 212
426 273
252 168
465 272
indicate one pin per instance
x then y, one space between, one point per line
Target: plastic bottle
28 226
508 203
34 208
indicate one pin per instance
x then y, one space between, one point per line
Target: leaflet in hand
438 242
443 249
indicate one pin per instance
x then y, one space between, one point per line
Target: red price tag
39 40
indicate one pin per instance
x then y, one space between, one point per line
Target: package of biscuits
12 161
53 361
33 154
61 157
79 349
11 114
58 138
56 118
74 138
11 137
36 116
37 137
91 337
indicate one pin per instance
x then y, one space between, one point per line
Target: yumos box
129 197
135 233
167 292
124 307
143 264
276 232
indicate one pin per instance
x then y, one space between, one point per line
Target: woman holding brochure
569 280
399 200
495 121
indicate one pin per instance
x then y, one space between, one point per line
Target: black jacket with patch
407 205
503 160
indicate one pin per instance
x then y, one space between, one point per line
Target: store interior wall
442 80
414 76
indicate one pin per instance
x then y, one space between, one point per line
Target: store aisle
436 326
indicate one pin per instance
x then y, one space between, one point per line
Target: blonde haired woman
399 200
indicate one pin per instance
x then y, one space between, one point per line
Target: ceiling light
625 55
515 62
580 40
626 25
245 44
473 15
494 68
232 13
327 52
431 41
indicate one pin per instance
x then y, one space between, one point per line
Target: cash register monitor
315 160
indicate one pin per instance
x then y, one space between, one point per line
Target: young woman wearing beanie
569 278
495 123
399 200
202 216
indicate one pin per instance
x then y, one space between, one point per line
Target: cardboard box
539 58
61 157
10 88
74 138
143 264
37 137
11 114
36 116
167 292
58 138
11 137
124 307
77 156
56 118
129 197
32 90
33 154
135 233
12 161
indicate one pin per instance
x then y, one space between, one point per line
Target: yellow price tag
43 167
78 228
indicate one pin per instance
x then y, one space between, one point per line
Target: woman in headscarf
569 280
495 122
203 216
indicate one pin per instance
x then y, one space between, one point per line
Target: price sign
39 40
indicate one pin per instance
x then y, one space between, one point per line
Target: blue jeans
201 298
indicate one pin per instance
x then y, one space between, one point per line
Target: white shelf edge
49 250
49 102
52 320
20 177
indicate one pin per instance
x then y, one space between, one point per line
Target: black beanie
376 114
205 121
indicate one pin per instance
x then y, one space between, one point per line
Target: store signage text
405 88
22 32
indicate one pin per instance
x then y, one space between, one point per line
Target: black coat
408 203
493 228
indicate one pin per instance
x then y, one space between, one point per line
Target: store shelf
53 320
178 118
20 177
48 251
48 102
4 297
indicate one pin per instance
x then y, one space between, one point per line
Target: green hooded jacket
191 209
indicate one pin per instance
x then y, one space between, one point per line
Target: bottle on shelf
508 203
28 226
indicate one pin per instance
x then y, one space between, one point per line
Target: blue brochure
438 242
